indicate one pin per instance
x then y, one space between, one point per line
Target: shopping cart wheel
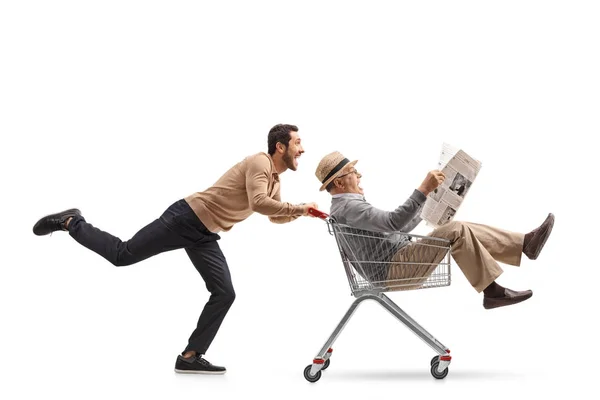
309 377
326 365
435 373
434 359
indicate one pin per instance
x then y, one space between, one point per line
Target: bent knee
456 225
122 261
227 296
452 230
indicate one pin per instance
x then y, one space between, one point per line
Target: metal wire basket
373 261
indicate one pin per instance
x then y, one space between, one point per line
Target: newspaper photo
460 170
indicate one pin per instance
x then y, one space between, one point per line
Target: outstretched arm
281 219
257 182
360 214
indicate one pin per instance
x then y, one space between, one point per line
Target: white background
121 108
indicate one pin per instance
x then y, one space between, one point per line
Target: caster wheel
435 373
309 377
434 359
326 365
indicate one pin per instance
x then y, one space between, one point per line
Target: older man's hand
432 181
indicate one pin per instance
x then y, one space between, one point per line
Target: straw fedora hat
331 167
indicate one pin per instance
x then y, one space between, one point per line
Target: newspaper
460 170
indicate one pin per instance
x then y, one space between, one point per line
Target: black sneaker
54 222
197 365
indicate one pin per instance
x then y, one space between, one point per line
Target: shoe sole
183 371
543 243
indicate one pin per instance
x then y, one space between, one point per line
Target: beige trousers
476 249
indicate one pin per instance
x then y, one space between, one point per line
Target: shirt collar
349 195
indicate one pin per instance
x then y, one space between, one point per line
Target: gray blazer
352 209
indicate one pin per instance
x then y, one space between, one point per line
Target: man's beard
288 159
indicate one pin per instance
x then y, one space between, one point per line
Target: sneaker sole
184 371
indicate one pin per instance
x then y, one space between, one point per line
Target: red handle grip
317 213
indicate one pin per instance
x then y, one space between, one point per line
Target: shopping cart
372 269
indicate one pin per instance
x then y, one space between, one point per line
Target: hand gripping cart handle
370 275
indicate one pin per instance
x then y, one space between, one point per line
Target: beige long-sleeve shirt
250 185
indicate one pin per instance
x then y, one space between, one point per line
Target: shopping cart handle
316 213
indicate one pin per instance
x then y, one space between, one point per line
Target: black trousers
178 227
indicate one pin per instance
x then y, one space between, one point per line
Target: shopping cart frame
439 363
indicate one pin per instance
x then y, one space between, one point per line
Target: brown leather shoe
510 297
538 240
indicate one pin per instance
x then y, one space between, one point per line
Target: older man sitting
476 248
